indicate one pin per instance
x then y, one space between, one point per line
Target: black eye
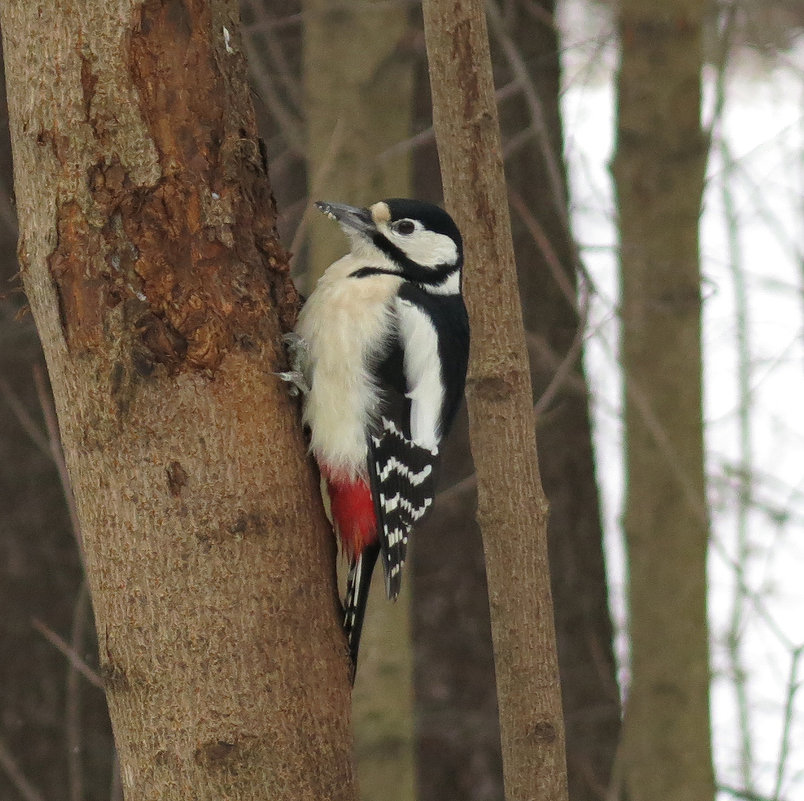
405 227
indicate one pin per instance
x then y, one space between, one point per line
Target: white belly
345 322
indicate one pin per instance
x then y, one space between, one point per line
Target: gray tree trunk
659 171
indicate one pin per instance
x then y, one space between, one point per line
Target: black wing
403 479
403 461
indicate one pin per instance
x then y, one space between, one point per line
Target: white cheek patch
426 247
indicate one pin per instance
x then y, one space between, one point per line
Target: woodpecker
381 349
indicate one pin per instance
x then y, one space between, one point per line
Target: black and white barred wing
403 485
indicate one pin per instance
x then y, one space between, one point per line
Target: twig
15 775
75 660
72 716
520 71
743 795
291 126
789 714
542 242
427 135
318 178
25 420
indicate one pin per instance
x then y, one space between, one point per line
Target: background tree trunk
359 102
512 510
527 51
659 171
150 260
358 83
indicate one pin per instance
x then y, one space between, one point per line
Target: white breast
346 322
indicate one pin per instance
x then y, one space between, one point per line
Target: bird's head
419 240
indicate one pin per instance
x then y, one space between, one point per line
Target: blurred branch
789 713
72 716
522 77
75 660
290 123
426 136
318 179
25 420
15 775
280 66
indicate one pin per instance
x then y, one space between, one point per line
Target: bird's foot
298 354
298 383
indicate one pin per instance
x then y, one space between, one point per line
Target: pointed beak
350 218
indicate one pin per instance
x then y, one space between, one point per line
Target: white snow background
757 577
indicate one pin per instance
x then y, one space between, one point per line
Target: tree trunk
359 104
358 82
150 260
512 510
40 572
527 47
659 171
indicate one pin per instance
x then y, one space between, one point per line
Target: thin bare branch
793 686
25 420
16 776
75 660
72 716
520 70
318 179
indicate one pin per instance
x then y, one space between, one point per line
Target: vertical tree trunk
150 260
659 171
40 569
358 83
512 510
358 78
527 49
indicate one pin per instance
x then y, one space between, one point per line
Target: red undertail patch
352 511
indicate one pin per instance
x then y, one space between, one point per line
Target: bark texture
150 260
359 102
45 707
659 170
547 260
512 510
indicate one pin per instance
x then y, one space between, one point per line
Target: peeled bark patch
194 254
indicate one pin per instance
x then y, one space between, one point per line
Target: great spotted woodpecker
382 344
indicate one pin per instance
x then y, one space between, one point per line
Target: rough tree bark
659 171
149 257
45 707
512 510
359 102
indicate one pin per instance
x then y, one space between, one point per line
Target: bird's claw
297 381
298 351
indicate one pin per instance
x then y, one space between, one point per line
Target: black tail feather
357 589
